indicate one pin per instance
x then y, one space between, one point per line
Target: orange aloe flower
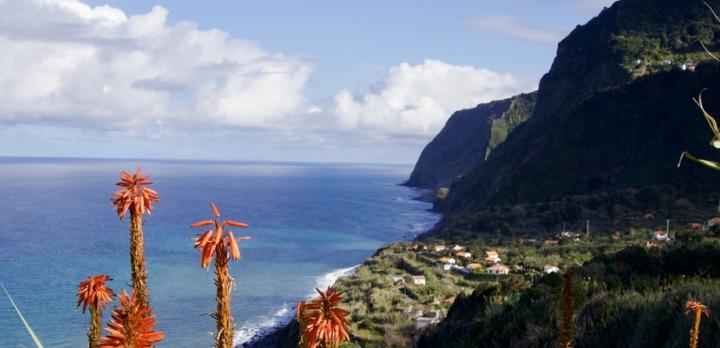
208 241
222 245
93 293
131 325
325 323
698 309
138 199
134 193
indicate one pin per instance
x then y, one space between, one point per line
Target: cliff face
630 40
468 137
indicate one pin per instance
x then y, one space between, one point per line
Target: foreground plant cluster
132 322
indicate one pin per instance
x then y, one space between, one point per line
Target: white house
439 248
550 269
689 65
498 269
449 260
446 266
398 280
661 235
419 280
492 256
458 248
463 254
712 222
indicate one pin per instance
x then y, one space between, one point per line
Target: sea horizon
200 160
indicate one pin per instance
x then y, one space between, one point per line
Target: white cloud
513 28
417 100
65 62
66 65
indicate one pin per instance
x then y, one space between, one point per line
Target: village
407 287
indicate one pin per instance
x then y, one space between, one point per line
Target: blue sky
368 81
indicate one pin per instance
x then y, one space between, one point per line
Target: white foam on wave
274 321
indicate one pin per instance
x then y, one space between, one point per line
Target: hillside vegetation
633 298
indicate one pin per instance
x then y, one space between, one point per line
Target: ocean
309 223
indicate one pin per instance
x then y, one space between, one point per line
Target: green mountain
468 137
611 118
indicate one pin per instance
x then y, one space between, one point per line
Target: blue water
57 227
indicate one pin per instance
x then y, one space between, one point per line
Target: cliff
468 137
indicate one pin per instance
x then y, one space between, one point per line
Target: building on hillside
651 245
418 280
473 266
439 248
552 242
690 65
417 246
492 256
398 280
649 216
696 226
666 62
568 234
463 254
550 269
448 260
712 222
661 235
498 269
458 248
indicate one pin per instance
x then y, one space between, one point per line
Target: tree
322 323
698 309
131 325
222 245
93 293
136 198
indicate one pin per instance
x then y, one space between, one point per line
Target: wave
278 319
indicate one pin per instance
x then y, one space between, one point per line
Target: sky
316 81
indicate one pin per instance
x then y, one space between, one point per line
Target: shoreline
248 336
251 337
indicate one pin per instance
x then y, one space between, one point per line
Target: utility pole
587 228
667 228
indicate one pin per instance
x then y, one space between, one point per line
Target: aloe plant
93 293
220 243
698 310
135 197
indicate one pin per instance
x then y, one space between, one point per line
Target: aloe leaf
27 326
709 164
